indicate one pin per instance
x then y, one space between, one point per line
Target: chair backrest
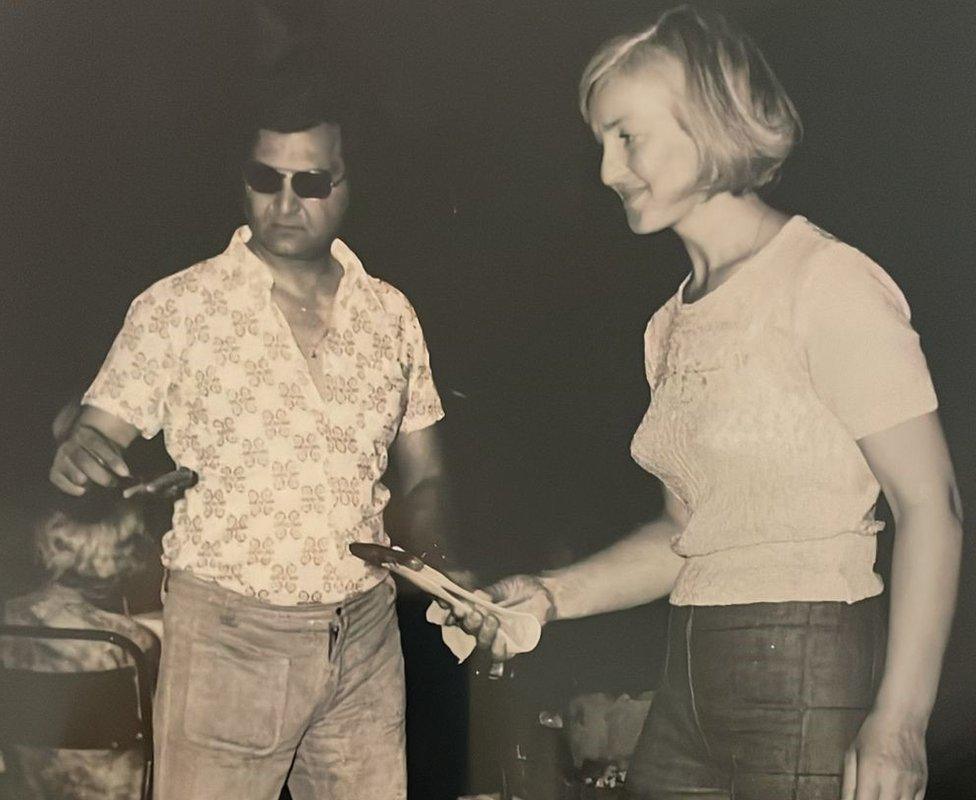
103 710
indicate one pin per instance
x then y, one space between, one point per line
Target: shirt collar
257 270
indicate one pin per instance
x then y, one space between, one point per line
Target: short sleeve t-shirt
759 393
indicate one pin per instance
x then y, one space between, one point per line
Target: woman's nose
611 166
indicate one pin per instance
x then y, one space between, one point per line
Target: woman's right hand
523 593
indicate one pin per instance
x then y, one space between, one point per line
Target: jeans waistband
757 615
187 585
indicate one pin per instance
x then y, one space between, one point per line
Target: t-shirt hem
282 599
785 595
904 414
420 423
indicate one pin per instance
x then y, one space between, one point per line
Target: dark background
482 202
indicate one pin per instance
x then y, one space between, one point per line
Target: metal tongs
518 625
180 478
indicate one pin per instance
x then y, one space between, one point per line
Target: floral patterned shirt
290 474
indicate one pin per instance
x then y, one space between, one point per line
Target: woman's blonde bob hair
737 113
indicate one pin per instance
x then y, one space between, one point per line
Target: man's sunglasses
309 185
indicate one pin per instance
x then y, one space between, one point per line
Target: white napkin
462 644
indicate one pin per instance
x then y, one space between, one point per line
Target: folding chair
103 710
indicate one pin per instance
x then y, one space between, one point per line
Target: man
282 373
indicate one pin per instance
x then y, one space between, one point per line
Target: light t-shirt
759 391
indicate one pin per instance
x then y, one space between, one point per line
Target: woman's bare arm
912 464
637 569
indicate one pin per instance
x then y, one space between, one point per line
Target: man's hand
524 593
86 457
886 761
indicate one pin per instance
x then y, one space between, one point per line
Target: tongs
179 479
518 625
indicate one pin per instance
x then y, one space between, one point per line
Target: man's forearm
422 522
925 570
109 425
637 569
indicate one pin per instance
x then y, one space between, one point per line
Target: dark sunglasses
309 185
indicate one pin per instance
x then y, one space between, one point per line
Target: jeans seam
666 677
163 714
878 645
691 683
804 705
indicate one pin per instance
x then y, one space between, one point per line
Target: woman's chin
644 224
662 216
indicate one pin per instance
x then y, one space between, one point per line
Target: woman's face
648 158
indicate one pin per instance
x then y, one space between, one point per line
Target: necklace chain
312 349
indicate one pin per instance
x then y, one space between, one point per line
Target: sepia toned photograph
466 400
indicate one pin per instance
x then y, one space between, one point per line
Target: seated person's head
92 544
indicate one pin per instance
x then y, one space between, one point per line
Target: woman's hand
524 593
886 761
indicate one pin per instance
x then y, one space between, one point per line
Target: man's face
284 224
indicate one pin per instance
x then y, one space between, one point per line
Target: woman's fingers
484 627
499 652
488 633
472 621
482 624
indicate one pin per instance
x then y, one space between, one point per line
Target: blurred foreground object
87 548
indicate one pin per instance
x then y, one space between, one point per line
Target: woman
88 548
787 388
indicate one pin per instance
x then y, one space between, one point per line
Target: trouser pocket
235 697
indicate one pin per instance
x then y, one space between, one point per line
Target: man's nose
286 200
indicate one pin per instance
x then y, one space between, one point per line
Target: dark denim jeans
759 701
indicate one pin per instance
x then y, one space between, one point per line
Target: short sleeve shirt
759 393
289 475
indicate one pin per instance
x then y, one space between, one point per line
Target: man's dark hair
299 94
